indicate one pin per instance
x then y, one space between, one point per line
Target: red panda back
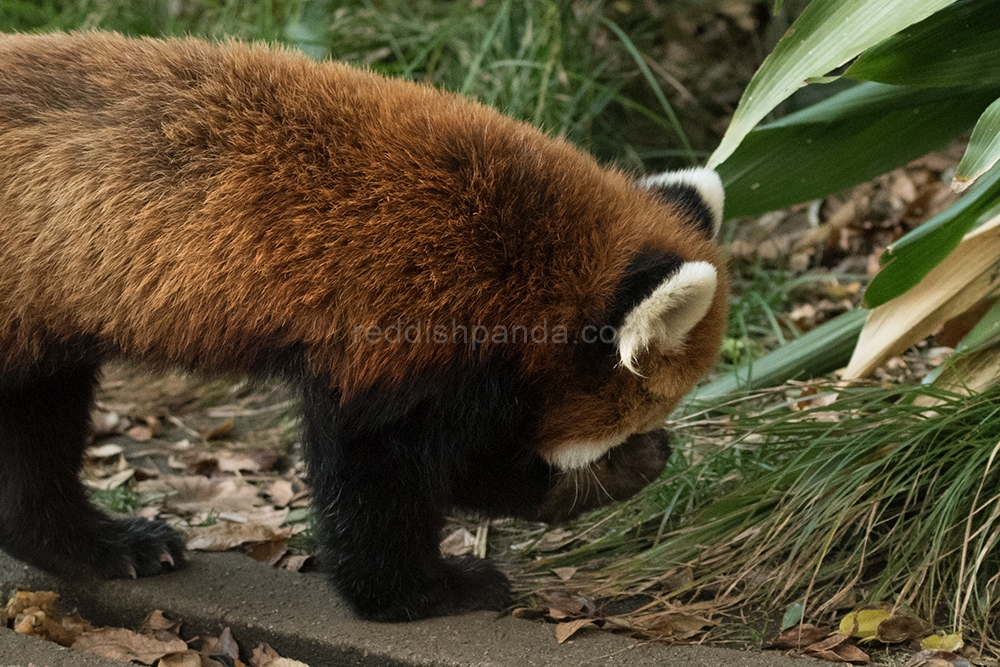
203 205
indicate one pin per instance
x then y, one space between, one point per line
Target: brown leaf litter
157 642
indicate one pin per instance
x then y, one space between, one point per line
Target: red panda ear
666 317
698 192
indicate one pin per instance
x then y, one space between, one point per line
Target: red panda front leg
45 517
380 473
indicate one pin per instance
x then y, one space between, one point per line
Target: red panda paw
457 585
473 584
131 548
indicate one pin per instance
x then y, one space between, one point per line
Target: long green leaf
826 348
825 36
846 139
651 80
984 147
984 335
958 46
908 260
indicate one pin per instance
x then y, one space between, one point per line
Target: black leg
380 499
45 517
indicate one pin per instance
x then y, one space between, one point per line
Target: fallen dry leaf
555 539
931 658
267 552
35 613
799 636
156 621
663 624
281 492
565 605
943 642
863 624
105 451
262 516
188 658
835 648
529 613
566 630
122 644
221 432
222 646
459 543
564 573
226 535
294 563
200 495
160 627
236 462
899 629
265 656
140 433
110 483
828 644
851 653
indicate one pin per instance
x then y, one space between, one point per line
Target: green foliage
825 36
565 67
984 147
123 499
844 140
561 67
955 47
822 350
874 493
248 19
922 87
908 260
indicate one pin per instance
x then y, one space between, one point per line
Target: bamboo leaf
957 46
975 365
826 348
967 275
907 261
984 148
825 36
846 139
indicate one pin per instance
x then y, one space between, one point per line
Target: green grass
876 494
568 68
121 500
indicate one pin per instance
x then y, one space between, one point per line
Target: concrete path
302 619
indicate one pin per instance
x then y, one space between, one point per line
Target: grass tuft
872 499
564 67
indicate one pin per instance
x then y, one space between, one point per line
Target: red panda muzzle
477 315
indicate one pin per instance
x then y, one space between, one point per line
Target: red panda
477 315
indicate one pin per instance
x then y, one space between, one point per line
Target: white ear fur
705 181
667 315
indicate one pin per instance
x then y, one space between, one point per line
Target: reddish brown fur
283 202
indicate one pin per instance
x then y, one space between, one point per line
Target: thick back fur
236 208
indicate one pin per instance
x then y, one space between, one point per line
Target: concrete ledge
301 617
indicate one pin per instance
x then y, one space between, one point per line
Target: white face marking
667 315
705 181
576 455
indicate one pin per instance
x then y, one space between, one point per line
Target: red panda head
660 330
